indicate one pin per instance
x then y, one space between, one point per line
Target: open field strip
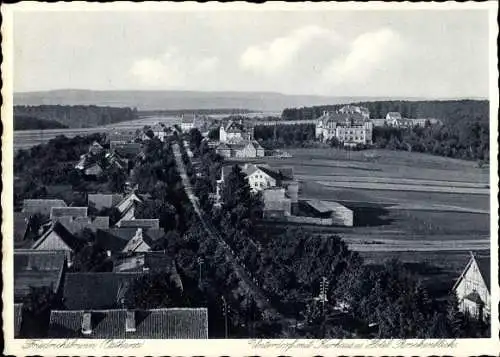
394 180
402 187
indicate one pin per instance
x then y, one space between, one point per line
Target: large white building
348 128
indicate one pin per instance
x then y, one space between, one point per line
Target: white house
188 122
235 132
393 118
473 288
351 109
259 178
159 131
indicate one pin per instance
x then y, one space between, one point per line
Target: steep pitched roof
100 200
74 225
393 115
116 239
33 268
42 206
167 323
68 212
96 290
484 266
70 240
141 223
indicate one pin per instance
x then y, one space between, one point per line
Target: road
251 283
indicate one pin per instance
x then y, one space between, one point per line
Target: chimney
130 321
87 323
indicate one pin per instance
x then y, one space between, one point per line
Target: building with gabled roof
189 121
95 148
88 291
57 237
41 206
234 132
152 262
102 200
164 323
473 288
36 269
118 240
74 212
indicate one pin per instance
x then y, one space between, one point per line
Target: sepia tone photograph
251 175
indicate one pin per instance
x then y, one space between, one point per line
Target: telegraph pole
225 311
322 297
200 262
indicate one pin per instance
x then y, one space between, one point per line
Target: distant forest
463 135
77 116
229 111
446 110
22 122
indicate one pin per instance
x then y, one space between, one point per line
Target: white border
462 347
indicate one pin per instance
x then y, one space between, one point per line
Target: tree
91 258
36 311
116 180
213 134
154 291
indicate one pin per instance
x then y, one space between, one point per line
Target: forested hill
446 110
78 116
22 122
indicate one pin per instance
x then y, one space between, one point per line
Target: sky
425 53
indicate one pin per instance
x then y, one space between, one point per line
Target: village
96 262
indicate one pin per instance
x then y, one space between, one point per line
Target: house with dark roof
74 212
101 200
77 224
140 223
95 148
152 262
166 323
93 170
41 206
118 240
128 150
36 269
57 237
473 288
89 291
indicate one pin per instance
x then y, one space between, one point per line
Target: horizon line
254 92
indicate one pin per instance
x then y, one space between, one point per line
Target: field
429 211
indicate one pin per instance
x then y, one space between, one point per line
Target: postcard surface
250 179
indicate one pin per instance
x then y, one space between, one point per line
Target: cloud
276 55
369 52
172 69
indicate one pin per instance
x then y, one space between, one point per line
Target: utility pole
323 299
225 311
200 262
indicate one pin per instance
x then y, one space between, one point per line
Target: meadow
428 211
